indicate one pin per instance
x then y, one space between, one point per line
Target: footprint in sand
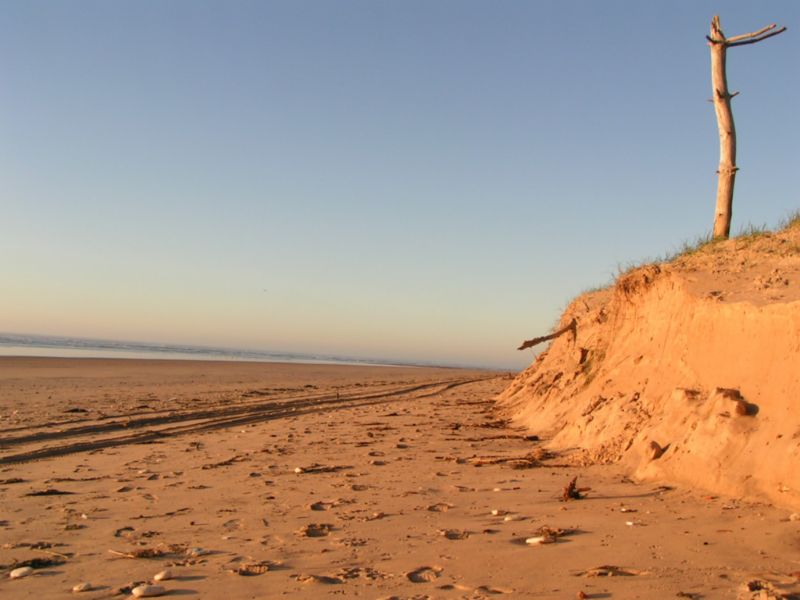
424 574
485 589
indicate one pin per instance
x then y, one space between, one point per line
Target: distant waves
68 347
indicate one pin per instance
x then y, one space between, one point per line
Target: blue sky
411 180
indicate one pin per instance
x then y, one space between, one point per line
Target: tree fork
719 45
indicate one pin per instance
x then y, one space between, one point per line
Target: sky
425 181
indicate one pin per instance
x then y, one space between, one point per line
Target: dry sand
302 481
699 358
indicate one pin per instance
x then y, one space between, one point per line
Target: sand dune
686 372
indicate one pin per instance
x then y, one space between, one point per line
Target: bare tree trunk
722 106
727 134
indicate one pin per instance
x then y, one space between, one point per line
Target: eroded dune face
688 372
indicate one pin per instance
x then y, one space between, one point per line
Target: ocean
72 347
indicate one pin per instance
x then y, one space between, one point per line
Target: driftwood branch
754 40
745 36
573 325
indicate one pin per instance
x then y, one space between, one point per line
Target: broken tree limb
573 326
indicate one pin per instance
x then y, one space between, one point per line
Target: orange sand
325 481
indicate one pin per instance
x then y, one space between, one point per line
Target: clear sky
415 180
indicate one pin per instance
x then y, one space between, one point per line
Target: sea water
69 347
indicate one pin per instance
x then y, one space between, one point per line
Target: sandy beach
248 480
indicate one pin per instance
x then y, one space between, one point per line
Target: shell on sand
20 573
148 591
533 541
163 575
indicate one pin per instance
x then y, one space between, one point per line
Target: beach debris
495 423
498 512
610 571
225 463
156 551
318 468
163 575
539 539
581 595
148 590
655 450
128 588
526 461
20 572
42 563
196 552
572 491
547 535
315 530
251 569
360 573
759 589
454 534
424 574
440 507
741 406
49 492
171 513
794 517
140 553
82 587
321 505
326 579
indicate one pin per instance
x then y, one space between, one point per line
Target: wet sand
251 480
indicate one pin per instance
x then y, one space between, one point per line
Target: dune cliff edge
686 372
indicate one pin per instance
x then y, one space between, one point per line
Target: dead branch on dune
573 327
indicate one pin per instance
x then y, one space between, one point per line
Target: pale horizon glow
412 181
